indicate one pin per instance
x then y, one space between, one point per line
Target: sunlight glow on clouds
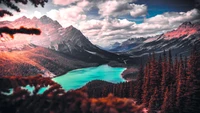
118 8
109 21
71 15
63 2
17 15
110 30
138 10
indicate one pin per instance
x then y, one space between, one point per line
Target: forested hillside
167 85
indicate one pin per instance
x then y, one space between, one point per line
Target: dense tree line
56 100
163 84
99 88
171 87
167 85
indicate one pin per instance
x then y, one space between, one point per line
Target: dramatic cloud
119 8
138 10
100 31
170 20
63 2
110 30
70 15
23 12
109 21
36 14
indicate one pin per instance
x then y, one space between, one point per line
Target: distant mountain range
180 41
58 50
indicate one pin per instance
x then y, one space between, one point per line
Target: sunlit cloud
119 8
107 21
63 2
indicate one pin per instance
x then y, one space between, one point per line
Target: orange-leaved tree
11 5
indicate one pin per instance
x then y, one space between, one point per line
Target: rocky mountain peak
23 18
45 20
186 24
34 18
186 28
70 28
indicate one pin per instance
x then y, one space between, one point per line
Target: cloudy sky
104 22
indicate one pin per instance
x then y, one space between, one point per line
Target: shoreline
130 73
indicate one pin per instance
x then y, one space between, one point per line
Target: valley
53 53
33 60
59 50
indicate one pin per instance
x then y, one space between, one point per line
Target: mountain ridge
62 44
33 60
53 36
180 34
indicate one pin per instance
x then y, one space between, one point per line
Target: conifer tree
138 88
164 75
145 87
172 99
176 69
153 74
154 103
193 94
165 106
185 66
154 77
180 86
131 89
159 71
169 74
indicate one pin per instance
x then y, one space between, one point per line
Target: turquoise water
43 89
29 88
32 88
8 93
79 77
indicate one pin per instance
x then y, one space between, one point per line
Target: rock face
187 28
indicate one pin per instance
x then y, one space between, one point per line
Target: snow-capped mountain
54 52
180 40
185 29
69 41
126 45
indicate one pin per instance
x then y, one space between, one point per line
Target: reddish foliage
56 100
11 5
22 29
3 12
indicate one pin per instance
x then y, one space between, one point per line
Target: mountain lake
77 78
